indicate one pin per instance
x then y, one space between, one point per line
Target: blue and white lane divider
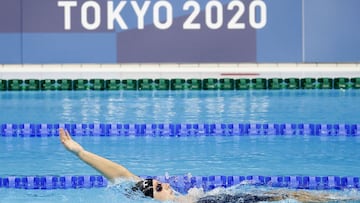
184 183
178 130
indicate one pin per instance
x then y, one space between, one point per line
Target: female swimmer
163 192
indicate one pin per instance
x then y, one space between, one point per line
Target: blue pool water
205 156
191 155
280 106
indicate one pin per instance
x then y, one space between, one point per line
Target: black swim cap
146 187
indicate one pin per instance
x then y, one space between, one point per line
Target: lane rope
184 183
179 129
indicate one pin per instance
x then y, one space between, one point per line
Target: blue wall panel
69 48
332 30
281 39
10 16
10 31
10 49
33 31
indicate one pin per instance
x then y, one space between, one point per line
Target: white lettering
140 12
67 12
115 15
252 14
162 12
84 15
235 23
217 6
169 15
189 22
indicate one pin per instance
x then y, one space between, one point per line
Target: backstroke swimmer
163 192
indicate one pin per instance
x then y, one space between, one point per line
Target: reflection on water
260 106
195 155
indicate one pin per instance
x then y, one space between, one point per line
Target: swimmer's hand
69 143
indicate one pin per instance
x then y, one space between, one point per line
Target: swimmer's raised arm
109 169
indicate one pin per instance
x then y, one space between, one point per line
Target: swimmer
112 171
163 191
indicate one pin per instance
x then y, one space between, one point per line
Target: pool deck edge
186 71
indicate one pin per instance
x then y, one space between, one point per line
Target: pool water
192 155
115 194
260 106
205 156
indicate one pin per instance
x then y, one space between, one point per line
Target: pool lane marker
184 183
180 129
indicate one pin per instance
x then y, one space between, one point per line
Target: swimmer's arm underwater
109 169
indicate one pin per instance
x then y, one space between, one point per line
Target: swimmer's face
163 191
